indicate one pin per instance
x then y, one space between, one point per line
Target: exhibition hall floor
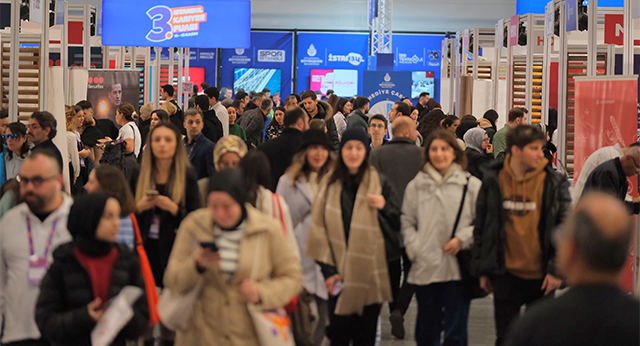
481 325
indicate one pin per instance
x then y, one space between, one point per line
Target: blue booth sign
183 23
419 53
268 62
384 88
341 54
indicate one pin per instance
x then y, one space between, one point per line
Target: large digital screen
256 79
344 83
171 23
421 84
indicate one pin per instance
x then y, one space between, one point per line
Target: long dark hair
257 172
341 172
340 107
18 128
113 183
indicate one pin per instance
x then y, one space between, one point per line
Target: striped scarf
362 264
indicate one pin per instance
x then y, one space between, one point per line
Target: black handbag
472 289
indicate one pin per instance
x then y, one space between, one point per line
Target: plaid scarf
362 264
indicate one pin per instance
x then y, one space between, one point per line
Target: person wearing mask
359 119
41 131
17 149
199 148
110 180
212 128
592 252
227 154
343 109
29 234
515 118
253 123
299 188
399 160
422 104
479 151
253 265
291 102
74 147
317 109
106 127
235 129
221 111
354 259
377 130
86 274
612 177
177 117
445 190
125 116
594 160
430 122
167 190
281 150
275 128
513 254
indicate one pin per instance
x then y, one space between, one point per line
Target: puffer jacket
220 315
488 256
61 312
325 112
429 210
253 122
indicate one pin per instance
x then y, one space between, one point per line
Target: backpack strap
464 195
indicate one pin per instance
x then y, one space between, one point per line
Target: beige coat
220 315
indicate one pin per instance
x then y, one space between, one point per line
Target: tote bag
273 327
147 274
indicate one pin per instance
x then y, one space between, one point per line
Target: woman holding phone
166 192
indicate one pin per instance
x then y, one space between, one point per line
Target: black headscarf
84 218
231 181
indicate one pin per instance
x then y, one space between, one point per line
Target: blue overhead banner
329 54
177 23
384 88
267 63
419 54
538 6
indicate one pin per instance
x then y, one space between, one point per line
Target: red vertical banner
606 114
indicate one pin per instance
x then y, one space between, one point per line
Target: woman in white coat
299 186
432 239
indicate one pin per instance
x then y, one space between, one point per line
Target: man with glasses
377 130
41 131
29 233
611 177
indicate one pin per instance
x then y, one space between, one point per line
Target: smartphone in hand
211 246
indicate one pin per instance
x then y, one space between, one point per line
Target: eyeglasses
12 136
36 181
486 139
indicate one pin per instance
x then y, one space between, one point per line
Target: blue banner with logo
420 54
384 88
571 11
329 54
266 64
182 23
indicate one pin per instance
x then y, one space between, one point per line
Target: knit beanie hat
357 135
315 137
84 217
231 181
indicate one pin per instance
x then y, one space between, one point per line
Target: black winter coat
610 178
252 122
489 232
212 126
477 162
325 113
280 152
61 312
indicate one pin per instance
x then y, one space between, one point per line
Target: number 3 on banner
161 17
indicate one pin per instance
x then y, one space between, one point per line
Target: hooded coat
325 112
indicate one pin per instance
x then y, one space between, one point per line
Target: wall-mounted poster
107 89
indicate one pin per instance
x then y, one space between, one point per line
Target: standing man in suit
199 147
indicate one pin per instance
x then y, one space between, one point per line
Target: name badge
37 270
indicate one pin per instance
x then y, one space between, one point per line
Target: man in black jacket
168 94
212 126
281 150
611 177
318 109
422 107
199 148
521 202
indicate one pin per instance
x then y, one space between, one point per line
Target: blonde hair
69 113
145 111
176 185
169 107
300 167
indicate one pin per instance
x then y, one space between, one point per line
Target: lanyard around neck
32 251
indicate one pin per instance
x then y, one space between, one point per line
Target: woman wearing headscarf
354 233
86 274
479 151
252 265
299 188
226 154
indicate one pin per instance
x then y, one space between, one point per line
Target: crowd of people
316 212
